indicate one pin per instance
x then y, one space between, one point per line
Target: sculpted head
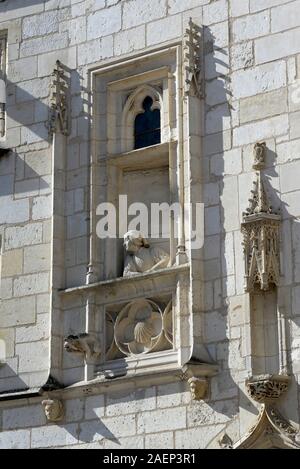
53 410
133 241
71 343
198 388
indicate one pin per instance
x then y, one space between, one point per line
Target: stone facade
71 68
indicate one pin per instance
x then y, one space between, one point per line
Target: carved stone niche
260 230
83 343
54 410
267 388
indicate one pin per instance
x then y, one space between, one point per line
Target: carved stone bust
54 410
83 343
140 257
198 388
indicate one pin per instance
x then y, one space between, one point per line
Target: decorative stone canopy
260 229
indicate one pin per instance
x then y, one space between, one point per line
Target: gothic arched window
147 126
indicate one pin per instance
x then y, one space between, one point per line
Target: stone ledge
123 281
169 373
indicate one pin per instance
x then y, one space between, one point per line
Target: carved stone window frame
180 151
125 108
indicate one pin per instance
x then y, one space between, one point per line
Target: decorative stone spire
192 60
260 228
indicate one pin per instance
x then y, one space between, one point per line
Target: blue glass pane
147 126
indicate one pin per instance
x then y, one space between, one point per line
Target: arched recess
133 107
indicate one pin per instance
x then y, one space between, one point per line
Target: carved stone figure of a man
54 410
140 257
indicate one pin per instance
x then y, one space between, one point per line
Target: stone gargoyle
140 257
83 343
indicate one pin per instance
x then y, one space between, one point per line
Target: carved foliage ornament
59 101
192 60
267 388
141 327
260 230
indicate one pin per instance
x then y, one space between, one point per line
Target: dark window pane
147 126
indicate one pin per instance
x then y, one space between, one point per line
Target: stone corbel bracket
193 82
267 389
83 343
197 380
260 228
59 120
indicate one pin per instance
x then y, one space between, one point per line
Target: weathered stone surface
263 105
164 30
252 26
20 236
258 80
277 46
137 12
102 23
39 25
149 422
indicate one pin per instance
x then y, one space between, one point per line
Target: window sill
154 156
121 283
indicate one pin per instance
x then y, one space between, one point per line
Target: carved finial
260 150
54 410
259 202
192 60
59 101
